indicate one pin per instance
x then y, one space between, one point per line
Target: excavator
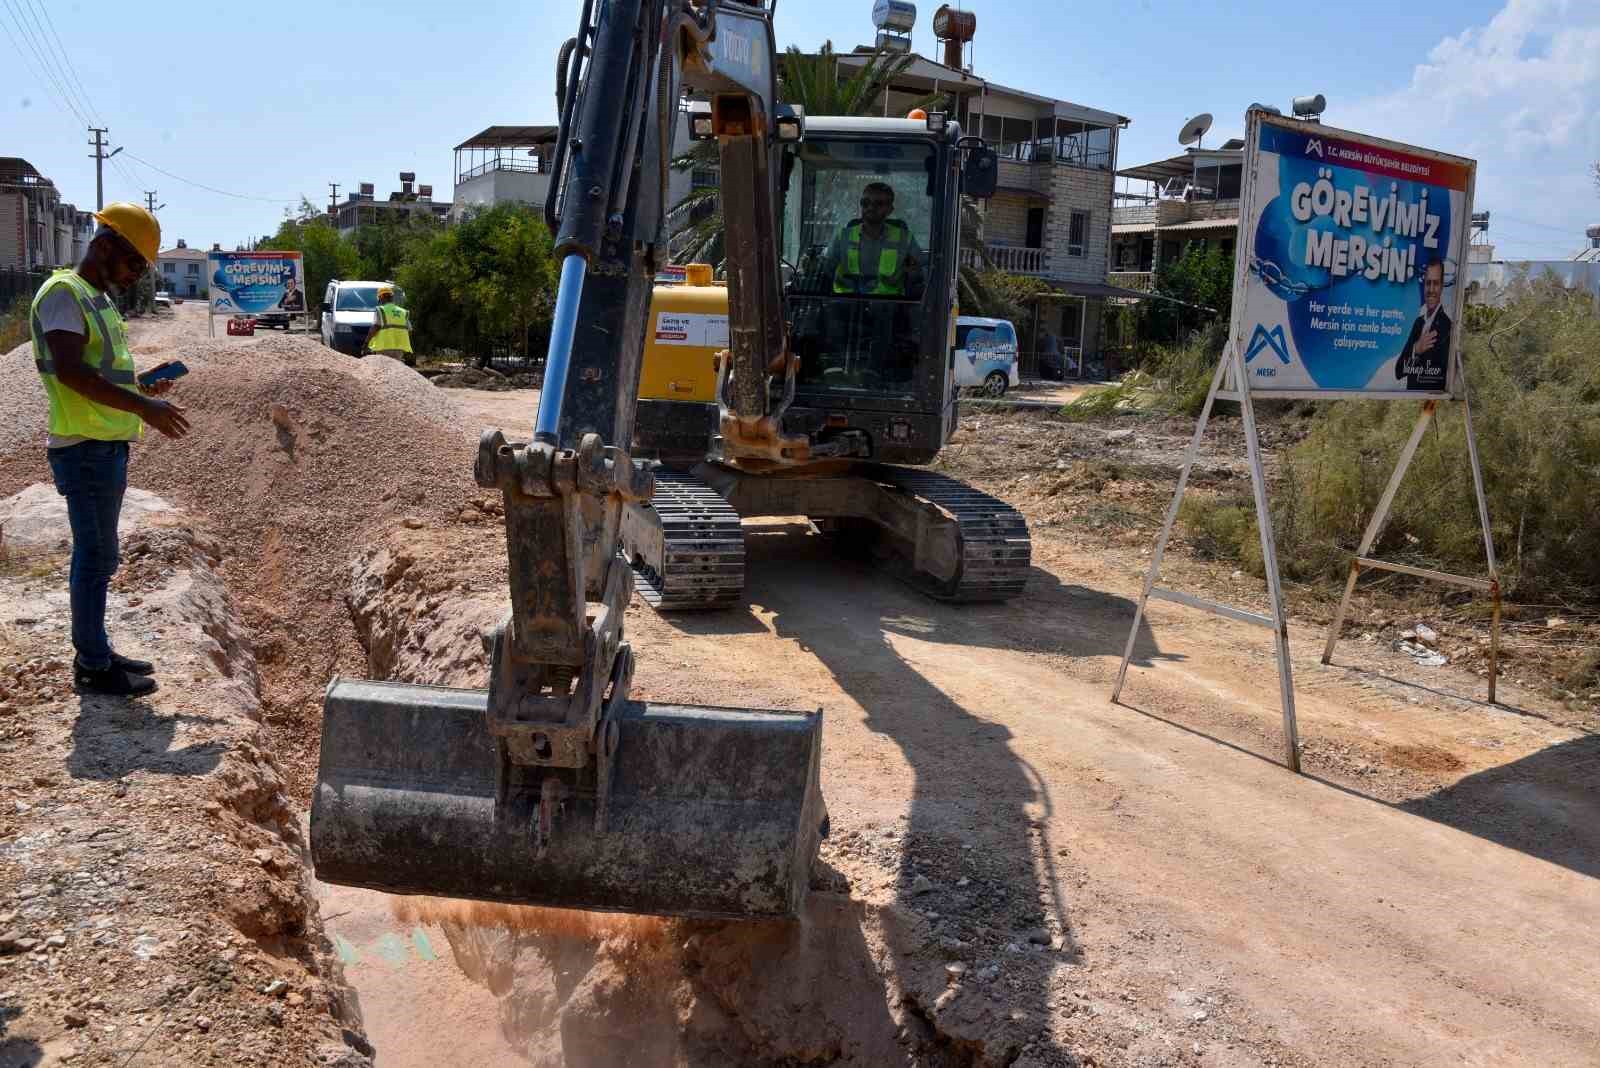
837 377
554 787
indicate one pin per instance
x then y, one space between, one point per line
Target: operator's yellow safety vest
105 352
394 330
887 280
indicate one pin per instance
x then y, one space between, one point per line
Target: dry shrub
1536 410
14 325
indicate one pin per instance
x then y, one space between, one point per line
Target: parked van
986 354
348 311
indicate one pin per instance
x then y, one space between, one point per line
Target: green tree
1199 288
485 285
324 253
383 247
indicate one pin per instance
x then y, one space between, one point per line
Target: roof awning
1091 289
1194 224
511 137
1203 224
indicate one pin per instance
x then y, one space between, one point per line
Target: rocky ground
1019 871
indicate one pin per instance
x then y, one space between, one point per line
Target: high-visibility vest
105 352
887 280
394 330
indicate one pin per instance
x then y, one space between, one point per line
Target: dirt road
1427 894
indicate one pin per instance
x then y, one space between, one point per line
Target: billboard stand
1230 371
1346 249
1380 515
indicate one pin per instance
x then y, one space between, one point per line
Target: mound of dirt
299 456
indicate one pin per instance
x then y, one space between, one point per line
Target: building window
194 269
1227 246
1078 233
169 268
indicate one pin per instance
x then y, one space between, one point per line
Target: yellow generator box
688 327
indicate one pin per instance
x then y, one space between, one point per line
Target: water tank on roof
894 16
1593 234
952 25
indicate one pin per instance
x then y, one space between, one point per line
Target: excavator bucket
704 812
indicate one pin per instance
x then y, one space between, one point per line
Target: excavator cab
860 219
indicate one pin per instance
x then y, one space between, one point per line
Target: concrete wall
1006 221
1077 189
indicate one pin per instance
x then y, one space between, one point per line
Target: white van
348 312
986 354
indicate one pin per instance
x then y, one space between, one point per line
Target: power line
72 71
208 188
51 56
1498 215
41 66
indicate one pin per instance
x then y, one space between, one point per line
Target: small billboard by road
1352 268
252 283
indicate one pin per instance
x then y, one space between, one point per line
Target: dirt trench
854 981
154 904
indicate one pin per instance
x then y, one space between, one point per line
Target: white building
182 270
1492 281
512 165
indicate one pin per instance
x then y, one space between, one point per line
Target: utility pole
150 200
333 199
100 156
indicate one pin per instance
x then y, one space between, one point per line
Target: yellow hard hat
136 224
385 292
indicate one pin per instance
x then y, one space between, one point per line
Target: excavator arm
555 787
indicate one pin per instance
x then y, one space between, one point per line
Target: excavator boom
554 787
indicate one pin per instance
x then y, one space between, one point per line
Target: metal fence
19 285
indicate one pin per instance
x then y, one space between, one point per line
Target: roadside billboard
1351 275
252 283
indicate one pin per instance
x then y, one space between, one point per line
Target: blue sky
275 101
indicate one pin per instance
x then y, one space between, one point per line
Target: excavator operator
875 256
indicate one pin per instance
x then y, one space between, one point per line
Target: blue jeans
92 476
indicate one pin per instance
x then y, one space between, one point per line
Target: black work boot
111 681
132 666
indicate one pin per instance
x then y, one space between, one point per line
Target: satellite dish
1195 129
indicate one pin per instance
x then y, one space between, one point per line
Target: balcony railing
1141 280
1010 258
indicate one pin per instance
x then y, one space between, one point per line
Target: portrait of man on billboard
1423 361
293 300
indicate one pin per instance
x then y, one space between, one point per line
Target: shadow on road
114 736
16 1052
979 811
1546 805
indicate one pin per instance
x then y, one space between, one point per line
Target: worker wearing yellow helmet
391 328
80 348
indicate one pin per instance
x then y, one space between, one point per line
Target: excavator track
996 550
693 558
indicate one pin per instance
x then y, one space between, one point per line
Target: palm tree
816 84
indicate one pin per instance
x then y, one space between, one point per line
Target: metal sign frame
1230 383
